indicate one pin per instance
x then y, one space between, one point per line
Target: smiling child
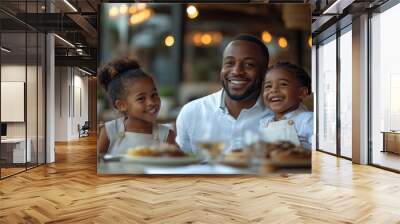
285 87
134 94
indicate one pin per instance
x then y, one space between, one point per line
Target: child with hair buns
134 94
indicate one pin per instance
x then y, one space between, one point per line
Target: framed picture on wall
151 52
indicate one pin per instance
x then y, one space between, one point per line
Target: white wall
14 73
33 127
61 103
70 83
17 73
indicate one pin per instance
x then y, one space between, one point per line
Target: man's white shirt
209 118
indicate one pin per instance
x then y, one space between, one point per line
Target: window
327 96
385 86
346 93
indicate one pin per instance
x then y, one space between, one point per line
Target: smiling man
226 114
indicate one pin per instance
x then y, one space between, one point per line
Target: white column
50 92
50 100
360 90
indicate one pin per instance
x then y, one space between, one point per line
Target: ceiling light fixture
337 7
5 50
79 51
70 5
65 41
84 71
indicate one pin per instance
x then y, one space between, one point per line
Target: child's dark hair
116 76
299 73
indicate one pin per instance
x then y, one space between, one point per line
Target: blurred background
181 45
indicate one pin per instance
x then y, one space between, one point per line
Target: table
16 147
119 167
391 141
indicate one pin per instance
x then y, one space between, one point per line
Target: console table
13 150
391 141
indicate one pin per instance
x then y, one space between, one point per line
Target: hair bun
116 67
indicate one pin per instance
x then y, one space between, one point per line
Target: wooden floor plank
70 191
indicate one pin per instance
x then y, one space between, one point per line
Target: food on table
290 154
284 151
237 154
237 157
214 148
163 150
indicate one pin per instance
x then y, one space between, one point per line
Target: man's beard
252 92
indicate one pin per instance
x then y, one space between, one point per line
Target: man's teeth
236 82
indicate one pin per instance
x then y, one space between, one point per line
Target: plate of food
285 154
237 158
163 155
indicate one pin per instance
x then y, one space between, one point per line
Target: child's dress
296 126
121 140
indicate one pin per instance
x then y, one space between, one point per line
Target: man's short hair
257 41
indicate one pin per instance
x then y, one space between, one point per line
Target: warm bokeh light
133 9
123 9
141 16
216 37
282 42
206 39
310 41
192 12
197 39
169 41
113 12
141 6
209 38
266 37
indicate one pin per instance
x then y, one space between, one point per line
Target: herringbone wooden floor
70 191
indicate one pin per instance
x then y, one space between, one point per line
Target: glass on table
254 145
213 148
211 144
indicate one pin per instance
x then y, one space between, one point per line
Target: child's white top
121 140
303 123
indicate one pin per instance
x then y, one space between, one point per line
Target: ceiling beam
82 61
84 24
